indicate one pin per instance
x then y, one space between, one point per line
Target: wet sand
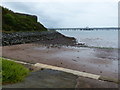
92 60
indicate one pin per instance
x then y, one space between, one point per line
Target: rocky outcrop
50 37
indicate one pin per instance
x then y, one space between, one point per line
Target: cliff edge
12 21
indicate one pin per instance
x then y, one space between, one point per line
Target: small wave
102 47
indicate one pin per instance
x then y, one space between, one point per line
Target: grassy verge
12 72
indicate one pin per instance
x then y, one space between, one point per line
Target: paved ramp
78 73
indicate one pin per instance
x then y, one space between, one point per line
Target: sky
69 13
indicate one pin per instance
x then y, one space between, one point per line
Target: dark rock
46 37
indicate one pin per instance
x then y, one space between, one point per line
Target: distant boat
87 28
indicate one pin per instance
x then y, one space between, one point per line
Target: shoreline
46 37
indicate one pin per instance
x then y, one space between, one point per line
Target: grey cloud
67 14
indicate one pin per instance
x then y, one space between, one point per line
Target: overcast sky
70 13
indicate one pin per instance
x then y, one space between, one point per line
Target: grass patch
12 72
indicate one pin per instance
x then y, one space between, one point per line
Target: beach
96 61
102 62
53 48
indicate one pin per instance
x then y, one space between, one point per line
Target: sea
94 38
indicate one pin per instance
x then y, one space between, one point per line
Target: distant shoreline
46 38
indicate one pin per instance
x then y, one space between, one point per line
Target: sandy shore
91 60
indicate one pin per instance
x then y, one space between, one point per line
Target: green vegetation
12 72
12 22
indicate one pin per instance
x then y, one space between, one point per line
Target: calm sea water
97 38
